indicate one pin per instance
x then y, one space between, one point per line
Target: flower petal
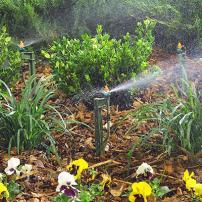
132 197
144 168
142 188
13 162
65 178
190 183
76 167
9 171
4 191
198 189
26 169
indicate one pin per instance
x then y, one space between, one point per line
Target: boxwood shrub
94 61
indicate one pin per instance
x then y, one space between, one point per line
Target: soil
80 143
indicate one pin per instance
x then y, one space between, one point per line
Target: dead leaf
116 192
168 167
89 143
137 104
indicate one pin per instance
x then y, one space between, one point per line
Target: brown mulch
80 143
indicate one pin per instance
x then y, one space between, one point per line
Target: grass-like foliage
9 59
99 60
27 122
178 122
187 117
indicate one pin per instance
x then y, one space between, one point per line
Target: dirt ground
80 142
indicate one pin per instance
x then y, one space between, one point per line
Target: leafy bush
177 20
100 60
28 122
26 17
9 59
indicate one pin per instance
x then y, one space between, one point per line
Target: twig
167 176
121 181
104 163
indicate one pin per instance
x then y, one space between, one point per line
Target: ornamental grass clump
27 122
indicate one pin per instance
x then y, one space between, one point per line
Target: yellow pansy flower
3 191
198 190
187 176
106 181
140 190
189 181
190 184
76 167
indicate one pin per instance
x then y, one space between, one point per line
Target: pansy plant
140 191
191 184
4 194
76 167
188 179
66 183
198 190
12 167
145 171
106 182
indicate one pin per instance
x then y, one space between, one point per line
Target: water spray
181 52
100 104
28 56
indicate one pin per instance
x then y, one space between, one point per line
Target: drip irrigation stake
28 56
101 138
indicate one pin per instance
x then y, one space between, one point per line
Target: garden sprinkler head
106 91
100 136
180 48
21 46
179 45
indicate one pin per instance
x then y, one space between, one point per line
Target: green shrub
9 59
100 60
26 18
177 20
28 122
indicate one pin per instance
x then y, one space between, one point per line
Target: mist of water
29 42
163 77
137 82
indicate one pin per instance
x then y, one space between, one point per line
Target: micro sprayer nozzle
106 91
21 46
180 48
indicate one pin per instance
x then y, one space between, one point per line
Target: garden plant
137 64
76 62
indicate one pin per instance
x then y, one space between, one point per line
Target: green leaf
46 54
8 39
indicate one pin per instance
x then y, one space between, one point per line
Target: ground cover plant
77 62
